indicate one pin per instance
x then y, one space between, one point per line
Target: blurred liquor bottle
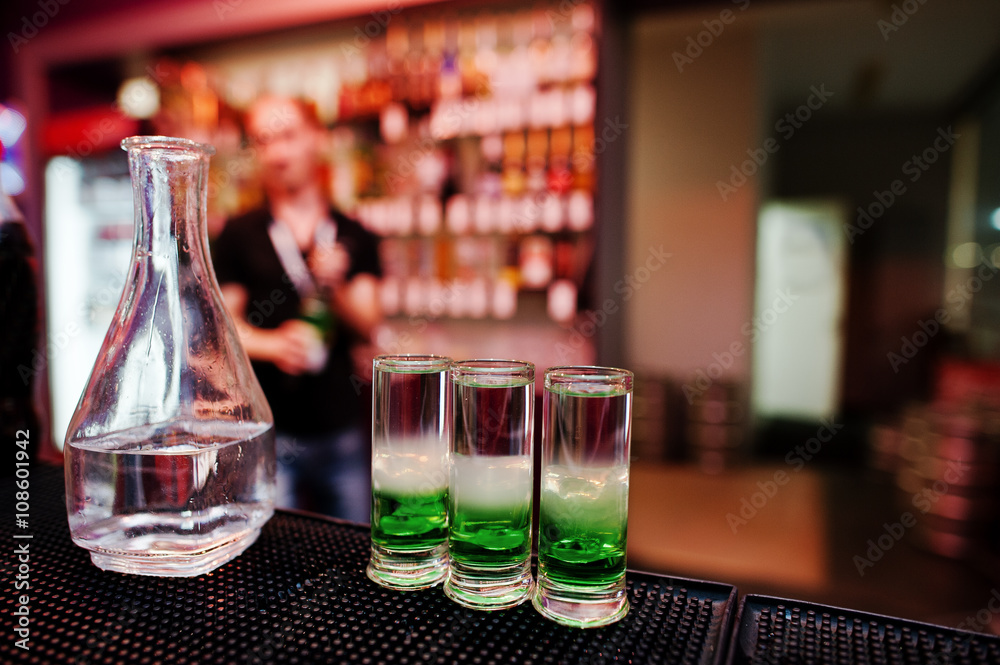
316 310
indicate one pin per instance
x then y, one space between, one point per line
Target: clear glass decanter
170 455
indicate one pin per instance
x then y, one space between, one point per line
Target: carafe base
174 565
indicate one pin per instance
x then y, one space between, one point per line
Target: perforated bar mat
300 595
778 631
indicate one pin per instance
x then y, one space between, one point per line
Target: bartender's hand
329 264
289 346
355 301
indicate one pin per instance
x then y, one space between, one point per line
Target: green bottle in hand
315 311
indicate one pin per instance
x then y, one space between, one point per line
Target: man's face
287 144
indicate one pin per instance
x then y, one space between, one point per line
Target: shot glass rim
517 372
167 143
591 374
411 363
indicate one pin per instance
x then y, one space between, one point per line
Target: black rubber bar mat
300 595
781 631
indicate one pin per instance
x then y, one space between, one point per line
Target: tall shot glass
489 503
583 508
411 433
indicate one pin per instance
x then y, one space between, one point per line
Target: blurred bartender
300 280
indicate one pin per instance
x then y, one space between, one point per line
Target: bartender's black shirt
307 404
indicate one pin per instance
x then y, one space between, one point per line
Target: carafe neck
170 188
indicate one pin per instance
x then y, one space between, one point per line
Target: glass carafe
170 456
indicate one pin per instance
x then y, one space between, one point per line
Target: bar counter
300 595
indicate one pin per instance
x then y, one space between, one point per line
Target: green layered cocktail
489 511
410 435
583 507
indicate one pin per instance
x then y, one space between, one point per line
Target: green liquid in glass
490 511
583 526
490 538
409 522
